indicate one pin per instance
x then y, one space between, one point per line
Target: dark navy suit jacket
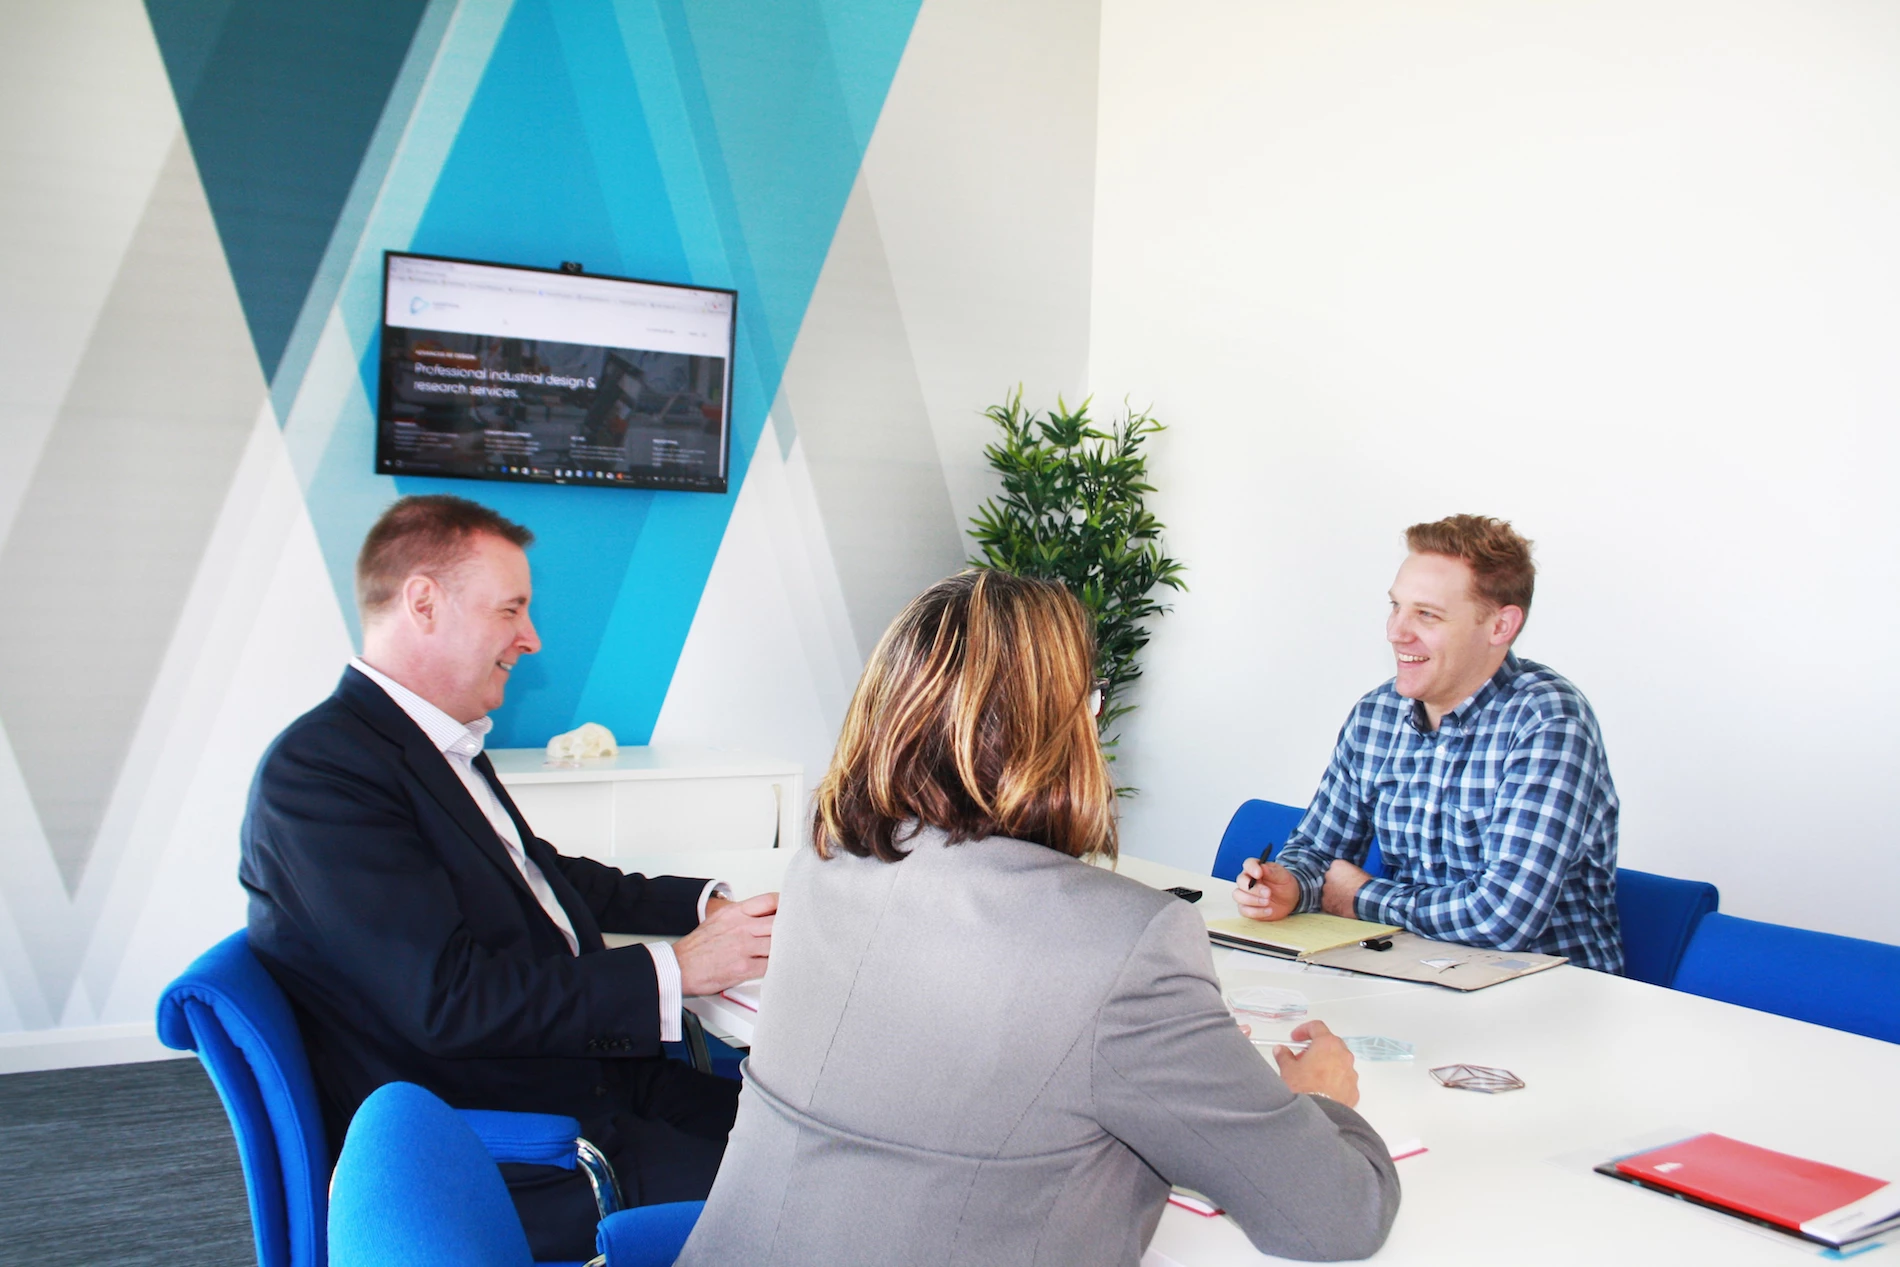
384 903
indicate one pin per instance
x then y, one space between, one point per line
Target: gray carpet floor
123 1164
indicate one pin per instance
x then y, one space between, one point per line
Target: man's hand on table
730 945
1266 890
1324 1068
1341 891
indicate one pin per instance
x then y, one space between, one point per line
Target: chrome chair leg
600 1177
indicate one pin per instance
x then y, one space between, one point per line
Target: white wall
1624 273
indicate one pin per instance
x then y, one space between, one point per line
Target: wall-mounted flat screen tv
498 372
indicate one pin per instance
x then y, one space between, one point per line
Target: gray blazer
990 1053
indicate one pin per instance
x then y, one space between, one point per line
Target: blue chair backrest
227 1008
1659 914
1841 982
415 1188
1258 827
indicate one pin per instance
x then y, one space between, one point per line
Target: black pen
1265 855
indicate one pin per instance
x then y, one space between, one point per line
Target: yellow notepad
1296 936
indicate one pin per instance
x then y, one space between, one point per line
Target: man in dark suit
422 931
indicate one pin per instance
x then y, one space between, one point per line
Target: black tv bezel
649 484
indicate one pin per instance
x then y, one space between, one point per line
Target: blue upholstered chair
1258 826
1659 914
227 1009
1841 982
415 1187
230 1011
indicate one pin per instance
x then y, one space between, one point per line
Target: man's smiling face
482 627
1447 640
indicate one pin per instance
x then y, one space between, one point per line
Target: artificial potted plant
1072 510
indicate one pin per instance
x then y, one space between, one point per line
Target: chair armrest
547 1139
647 1235
694 1034
539 1139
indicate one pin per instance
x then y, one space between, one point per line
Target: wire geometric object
1480 1078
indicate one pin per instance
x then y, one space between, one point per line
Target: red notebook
1820 1202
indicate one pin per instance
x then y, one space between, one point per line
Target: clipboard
1295 937
1332 942
1442 963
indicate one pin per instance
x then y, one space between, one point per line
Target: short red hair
1502 573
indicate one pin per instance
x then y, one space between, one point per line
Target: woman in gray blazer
979 1048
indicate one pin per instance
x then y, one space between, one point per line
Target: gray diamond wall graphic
116 516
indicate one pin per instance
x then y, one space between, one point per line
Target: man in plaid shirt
1481 775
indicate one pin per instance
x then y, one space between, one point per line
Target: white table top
1610 1066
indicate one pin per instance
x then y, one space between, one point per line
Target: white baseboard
25 1051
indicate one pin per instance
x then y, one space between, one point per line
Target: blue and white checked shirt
1497 829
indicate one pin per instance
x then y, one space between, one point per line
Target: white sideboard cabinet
656 800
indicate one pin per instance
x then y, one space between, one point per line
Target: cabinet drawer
576 818
669 815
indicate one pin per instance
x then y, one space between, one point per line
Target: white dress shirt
460 744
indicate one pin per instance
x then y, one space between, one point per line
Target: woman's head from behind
974 717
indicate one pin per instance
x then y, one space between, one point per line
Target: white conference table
1610 1066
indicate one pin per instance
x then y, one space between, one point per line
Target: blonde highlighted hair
973 717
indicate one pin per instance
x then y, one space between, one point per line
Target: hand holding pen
1266 890
1320 1065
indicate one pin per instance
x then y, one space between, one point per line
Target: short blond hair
973 717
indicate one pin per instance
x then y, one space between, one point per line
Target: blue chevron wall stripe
690 142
